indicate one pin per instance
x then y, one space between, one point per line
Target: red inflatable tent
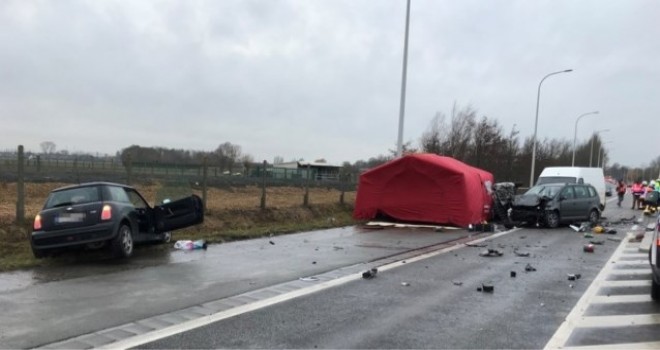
425 188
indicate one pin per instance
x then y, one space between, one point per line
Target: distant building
318 171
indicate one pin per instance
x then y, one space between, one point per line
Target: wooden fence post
306 197
20 186
263 187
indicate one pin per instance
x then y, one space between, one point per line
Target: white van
561 174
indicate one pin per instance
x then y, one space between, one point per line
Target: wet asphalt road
87 296
432 312
90 295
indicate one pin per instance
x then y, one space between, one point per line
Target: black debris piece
369 274
574 276
487 288
491 253
597 242
271 242
457 283
513 274
530 268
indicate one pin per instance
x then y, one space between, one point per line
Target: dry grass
232 214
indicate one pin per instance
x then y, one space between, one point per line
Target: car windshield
72 196
545 190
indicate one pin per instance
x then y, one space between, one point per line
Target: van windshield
556 180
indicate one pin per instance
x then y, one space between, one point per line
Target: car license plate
69 218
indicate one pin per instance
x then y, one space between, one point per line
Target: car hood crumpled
527 200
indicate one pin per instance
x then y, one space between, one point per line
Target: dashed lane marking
616 329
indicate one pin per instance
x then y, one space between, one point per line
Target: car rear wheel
594 216
655 290
122 245
552 219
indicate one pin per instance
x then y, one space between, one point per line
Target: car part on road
530 268
589 248
597 242
405 284
457 283
487 288
369 274
573 277
521 254
513 274
491 253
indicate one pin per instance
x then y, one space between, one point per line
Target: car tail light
106 214
37 222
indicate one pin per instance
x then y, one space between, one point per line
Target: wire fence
39 169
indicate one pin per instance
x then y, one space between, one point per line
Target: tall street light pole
536 124
591 152
575 133
402 103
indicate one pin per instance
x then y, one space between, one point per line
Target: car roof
91 184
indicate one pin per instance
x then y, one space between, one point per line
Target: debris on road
588 235
271 242
487 288
313 262
573 277
457 283
589 248
530 268
337 248
597 242
610 231
369 274
614 239
190 245
491 253
598 229
309 279
513 274
638 237
405 284
518 253
577 229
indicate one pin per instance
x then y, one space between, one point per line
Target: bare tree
435 135
48 147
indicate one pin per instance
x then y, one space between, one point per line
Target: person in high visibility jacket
637 191
650 199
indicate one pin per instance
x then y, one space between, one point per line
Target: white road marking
566 328
616 299
632 283
576 318
206 320
619 320
631 271
647 345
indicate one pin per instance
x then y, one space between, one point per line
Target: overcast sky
321 79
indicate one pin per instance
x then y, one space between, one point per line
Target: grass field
232 214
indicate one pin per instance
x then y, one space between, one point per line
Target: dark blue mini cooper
99 214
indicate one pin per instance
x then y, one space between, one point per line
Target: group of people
645 194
